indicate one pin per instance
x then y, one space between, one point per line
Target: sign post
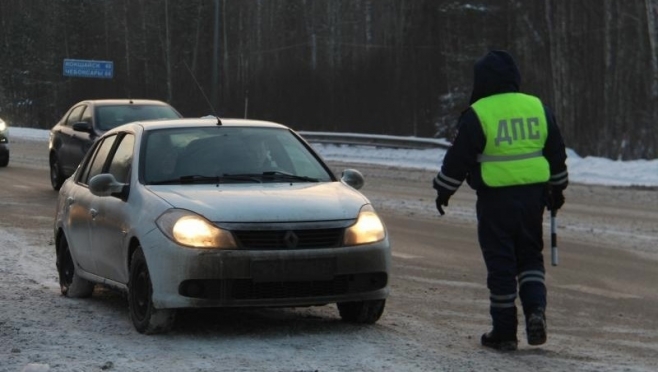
88 68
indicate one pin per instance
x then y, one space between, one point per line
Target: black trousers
510 235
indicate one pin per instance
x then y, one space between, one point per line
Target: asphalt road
603 302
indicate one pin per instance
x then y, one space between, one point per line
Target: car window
75 115
86 115
95 165
302 161
218 151
122 159
162 148
108 117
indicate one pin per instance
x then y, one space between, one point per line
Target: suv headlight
192 230
367 229
3 125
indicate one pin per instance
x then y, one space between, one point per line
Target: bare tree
385 66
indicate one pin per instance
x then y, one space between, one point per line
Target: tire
4 162
145 317
362 312
56 176
70 284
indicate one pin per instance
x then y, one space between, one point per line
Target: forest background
396 67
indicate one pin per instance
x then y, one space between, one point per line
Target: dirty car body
202 213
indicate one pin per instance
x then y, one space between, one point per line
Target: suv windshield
108 117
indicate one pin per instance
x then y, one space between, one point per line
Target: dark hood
495 73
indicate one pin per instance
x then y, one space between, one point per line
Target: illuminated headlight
191 230
367 229
3 125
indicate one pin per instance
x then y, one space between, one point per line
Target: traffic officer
509 149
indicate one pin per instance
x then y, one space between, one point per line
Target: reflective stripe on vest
515 128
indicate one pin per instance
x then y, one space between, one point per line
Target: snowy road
603 303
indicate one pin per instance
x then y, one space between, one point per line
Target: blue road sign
88 68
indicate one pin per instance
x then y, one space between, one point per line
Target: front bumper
187 277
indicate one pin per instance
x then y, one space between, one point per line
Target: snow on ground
588 170
42 335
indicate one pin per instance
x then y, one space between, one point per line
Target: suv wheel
56 176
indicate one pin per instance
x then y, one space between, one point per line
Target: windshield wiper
196 178
288 176
239 177
249 177
275 175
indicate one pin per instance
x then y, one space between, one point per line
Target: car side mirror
353 178
105 184
82 126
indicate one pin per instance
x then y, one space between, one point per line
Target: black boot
536 327
498 342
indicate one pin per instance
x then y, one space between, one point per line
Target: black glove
442 201
556 199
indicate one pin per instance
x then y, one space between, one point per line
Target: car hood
267 202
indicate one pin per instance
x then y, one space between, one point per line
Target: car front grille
248 289
289 239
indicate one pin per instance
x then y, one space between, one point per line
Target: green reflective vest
515 129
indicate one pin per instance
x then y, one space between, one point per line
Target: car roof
149 125
124 101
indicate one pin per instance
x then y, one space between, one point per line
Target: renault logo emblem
290 239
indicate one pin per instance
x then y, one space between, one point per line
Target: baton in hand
554 257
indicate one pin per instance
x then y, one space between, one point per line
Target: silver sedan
215 213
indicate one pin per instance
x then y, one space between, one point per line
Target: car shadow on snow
263 321
267 321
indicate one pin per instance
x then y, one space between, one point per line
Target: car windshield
228 155
108 117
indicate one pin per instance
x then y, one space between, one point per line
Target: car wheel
70 283
145 317
364 312
4 162
56 176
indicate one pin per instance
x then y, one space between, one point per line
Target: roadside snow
42 331
50 332
588 170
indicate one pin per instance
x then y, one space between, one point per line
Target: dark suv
4 144
83 123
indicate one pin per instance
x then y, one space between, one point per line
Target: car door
83 140
79 211
74 144
112 219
